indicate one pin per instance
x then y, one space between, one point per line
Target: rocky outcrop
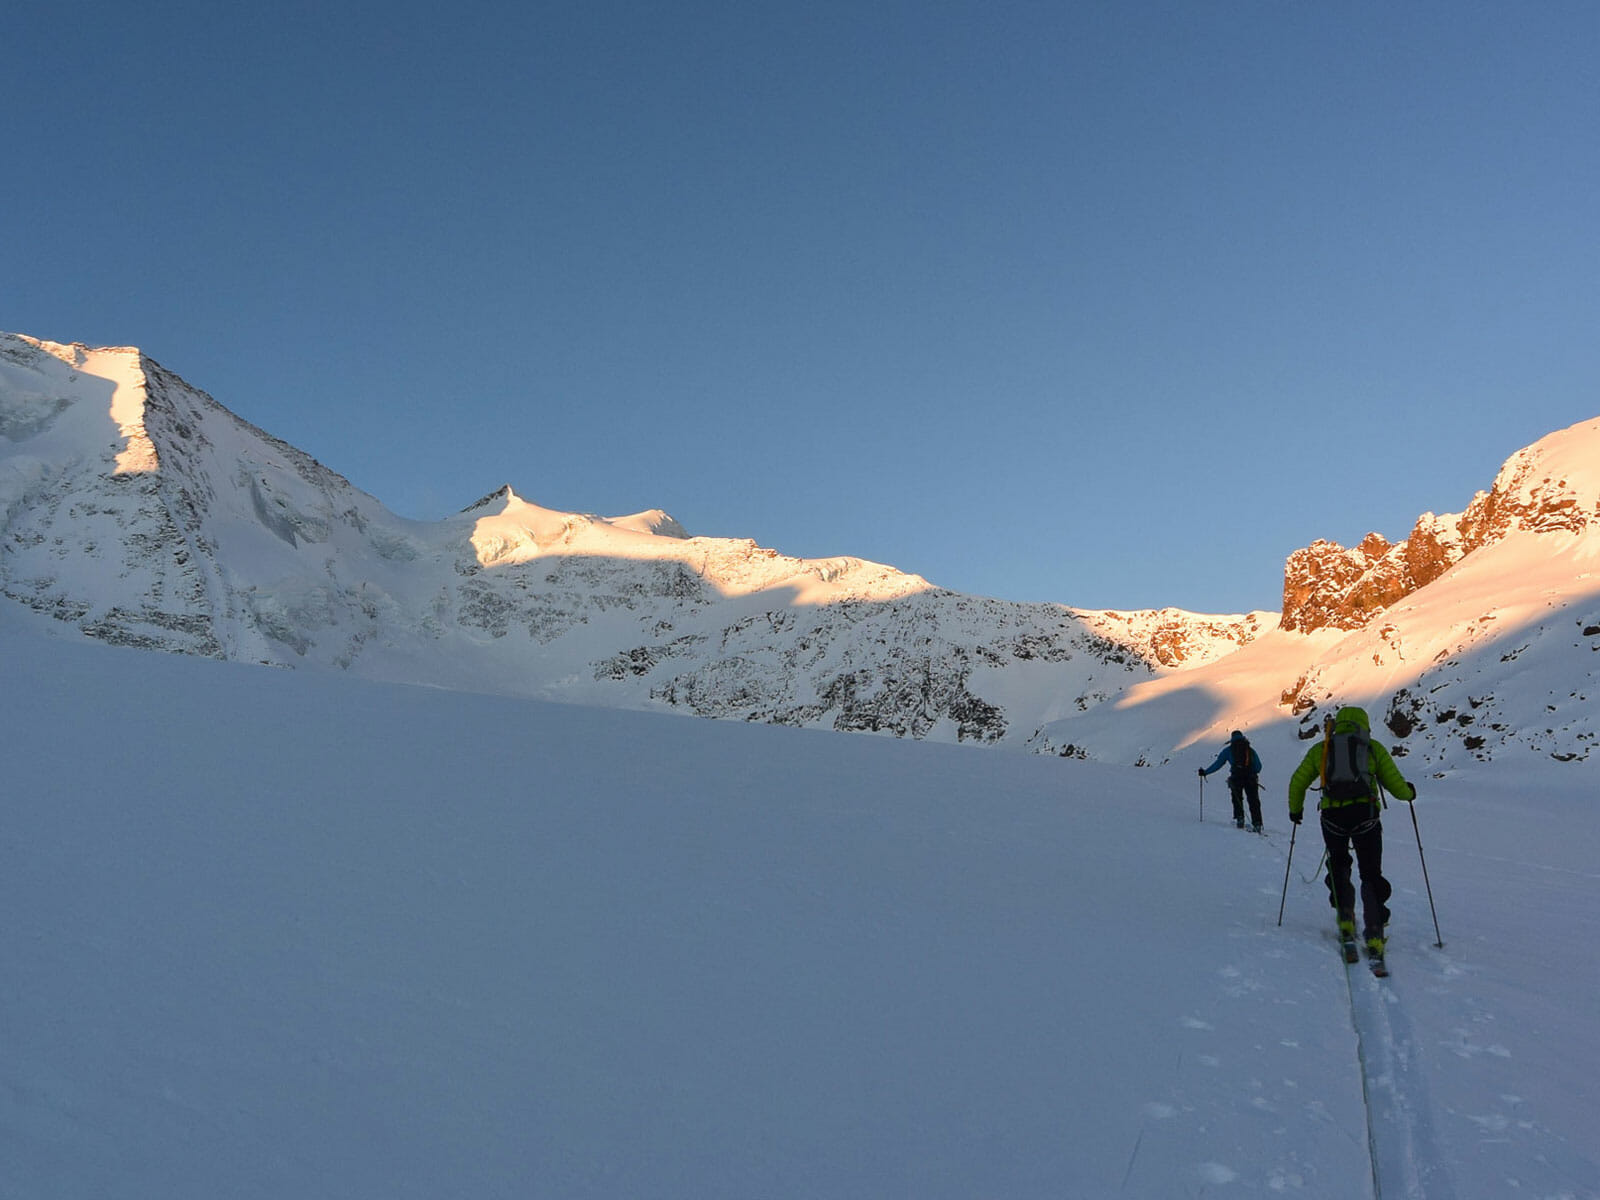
1172 637
1329 586
1531 493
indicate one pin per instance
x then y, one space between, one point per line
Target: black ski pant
1242 787
1356 827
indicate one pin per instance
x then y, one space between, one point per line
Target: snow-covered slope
135 509
364 941
1498 656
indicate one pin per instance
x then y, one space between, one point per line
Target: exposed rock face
1530 493
1435 545
1326 585
1172 638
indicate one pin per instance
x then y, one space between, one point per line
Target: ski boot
1347 940
1375 946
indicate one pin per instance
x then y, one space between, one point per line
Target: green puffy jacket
1346 720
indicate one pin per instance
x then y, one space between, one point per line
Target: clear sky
1109 304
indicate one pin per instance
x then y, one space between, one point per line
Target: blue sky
1109 304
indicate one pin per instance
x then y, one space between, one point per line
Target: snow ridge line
1405 1156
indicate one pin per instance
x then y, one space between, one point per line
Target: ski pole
1438 937
1284 899
1202 799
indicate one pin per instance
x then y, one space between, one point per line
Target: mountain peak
58 376
505 500
501 494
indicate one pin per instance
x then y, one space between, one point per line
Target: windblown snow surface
274 934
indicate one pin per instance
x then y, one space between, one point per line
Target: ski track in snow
1417 1145
1414 1117
1254 1111
1406 1162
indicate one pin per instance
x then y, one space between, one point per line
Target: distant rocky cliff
1329 586
1173 637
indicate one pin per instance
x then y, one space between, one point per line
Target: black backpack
1347 769
1241 757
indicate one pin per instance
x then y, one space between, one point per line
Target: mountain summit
136 509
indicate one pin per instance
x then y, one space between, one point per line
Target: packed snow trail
1406 1163
1464 1048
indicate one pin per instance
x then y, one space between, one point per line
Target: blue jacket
1253 767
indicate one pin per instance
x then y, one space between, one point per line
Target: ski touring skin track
1406 1163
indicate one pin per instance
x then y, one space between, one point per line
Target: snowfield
274 933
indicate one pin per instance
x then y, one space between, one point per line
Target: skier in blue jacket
1244 778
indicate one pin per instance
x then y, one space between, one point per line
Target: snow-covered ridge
235 545
511 531
136 509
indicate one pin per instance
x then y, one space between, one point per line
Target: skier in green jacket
1350 768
